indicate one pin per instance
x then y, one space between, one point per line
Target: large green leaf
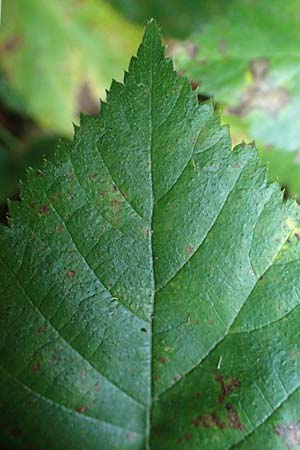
247 57
60 55
150 284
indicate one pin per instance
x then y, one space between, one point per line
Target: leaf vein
236 316
60 405
64 339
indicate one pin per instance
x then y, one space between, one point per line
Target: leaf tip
152 34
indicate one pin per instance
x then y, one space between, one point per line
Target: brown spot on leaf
162 360
179 440
97 387
82 409
209 421
188 436
234 418
216 422
71 273
290 433
203 420
83 373
227 386
42 329
189 250
43 210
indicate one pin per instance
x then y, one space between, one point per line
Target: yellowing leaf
60 55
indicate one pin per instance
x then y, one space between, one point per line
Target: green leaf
149 284
59 56
248 59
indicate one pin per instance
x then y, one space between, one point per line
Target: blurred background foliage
58 57
249 60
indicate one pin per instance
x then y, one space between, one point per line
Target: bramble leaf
149 284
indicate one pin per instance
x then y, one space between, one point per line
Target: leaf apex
152 34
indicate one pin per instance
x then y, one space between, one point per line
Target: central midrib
149 410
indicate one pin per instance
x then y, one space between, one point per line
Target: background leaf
78 41
247 57
150 284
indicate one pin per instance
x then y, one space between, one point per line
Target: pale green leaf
247 57
60 55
